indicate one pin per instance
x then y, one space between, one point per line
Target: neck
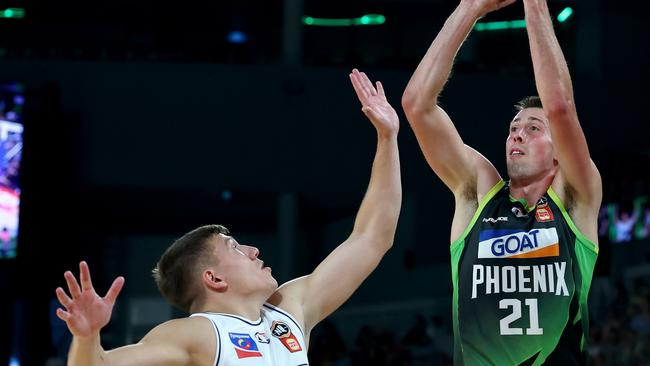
530 189
248 308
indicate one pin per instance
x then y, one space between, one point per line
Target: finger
367 85
84 276
380 89
73 286
356 84
63 315
63 297
115 289
359 76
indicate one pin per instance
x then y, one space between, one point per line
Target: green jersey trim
581 238
493 191
586 252
457 250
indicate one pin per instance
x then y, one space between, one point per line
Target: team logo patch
245 346
544 214
281 331
518 212
262 337
509 244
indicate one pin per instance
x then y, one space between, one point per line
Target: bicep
317 295
148 353
177 342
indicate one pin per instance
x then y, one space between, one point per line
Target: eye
513 129
534 128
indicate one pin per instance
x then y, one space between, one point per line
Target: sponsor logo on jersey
282 331
544 214
262 337
493 220
537 243
244 344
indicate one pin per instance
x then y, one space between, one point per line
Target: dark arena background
124 124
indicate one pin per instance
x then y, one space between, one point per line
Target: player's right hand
86 312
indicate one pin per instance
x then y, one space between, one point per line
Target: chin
516 171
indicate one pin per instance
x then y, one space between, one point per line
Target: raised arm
556 92
86 313
317 295
439 140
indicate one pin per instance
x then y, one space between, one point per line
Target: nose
252 252
517 136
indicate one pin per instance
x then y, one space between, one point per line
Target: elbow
414 107
408 99
559 109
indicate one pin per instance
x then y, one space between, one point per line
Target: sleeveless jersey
521 278
273 340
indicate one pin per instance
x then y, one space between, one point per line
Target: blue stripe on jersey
489 234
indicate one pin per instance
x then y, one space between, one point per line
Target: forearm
551 72
381 205
86 352
433 71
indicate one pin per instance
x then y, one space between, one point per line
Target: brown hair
174 273
529 102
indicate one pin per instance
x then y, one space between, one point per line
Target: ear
214 281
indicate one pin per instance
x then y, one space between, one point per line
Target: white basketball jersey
273 340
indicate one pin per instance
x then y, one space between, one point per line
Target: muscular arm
178 342
187 341
556 92
317 295
439 140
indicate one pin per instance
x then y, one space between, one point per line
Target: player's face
241 268
529 148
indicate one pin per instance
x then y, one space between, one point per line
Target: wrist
535 6
386 136
87 341
471 10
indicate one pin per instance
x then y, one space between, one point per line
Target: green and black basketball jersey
521 278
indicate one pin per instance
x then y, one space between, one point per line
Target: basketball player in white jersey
239 315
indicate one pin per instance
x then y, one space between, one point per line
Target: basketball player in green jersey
523 251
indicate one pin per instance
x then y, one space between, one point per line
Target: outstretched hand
86 312
374 104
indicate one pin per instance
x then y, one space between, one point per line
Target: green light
371 19
564 15
368 19
12 13
508 24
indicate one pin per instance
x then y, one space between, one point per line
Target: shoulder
289 298
577 202
178 327
194 335
582 209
